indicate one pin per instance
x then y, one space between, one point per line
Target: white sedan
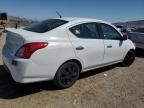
59 49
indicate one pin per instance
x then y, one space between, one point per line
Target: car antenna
58 14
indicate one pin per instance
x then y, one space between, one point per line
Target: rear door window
45 26
86 30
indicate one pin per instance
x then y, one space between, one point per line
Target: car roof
68 18
77 19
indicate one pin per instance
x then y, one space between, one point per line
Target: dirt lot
110 87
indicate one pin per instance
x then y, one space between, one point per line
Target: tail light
28 49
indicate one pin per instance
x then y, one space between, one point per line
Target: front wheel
67 75
129 58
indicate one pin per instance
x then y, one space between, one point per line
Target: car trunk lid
15 38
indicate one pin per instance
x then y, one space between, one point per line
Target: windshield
45 26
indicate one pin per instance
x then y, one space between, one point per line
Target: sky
108 10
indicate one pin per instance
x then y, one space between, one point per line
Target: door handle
109 46
79 48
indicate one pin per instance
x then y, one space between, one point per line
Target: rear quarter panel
49 59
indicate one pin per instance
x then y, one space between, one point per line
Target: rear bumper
26 71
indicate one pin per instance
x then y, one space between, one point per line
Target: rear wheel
67 75
129 58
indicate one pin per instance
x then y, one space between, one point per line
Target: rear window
45 26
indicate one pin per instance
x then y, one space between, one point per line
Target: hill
20 21
135 24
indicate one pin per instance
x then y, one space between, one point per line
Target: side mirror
124 37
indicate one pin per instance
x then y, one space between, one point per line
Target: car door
114 47
88 46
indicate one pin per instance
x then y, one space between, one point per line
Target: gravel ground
110 87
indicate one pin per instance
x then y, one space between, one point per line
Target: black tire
67 75
129 58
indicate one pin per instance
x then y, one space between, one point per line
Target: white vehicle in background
137 36
130 29
59 49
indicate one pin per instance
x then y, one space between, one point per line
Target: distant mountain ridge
13 20
135 24
19 19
